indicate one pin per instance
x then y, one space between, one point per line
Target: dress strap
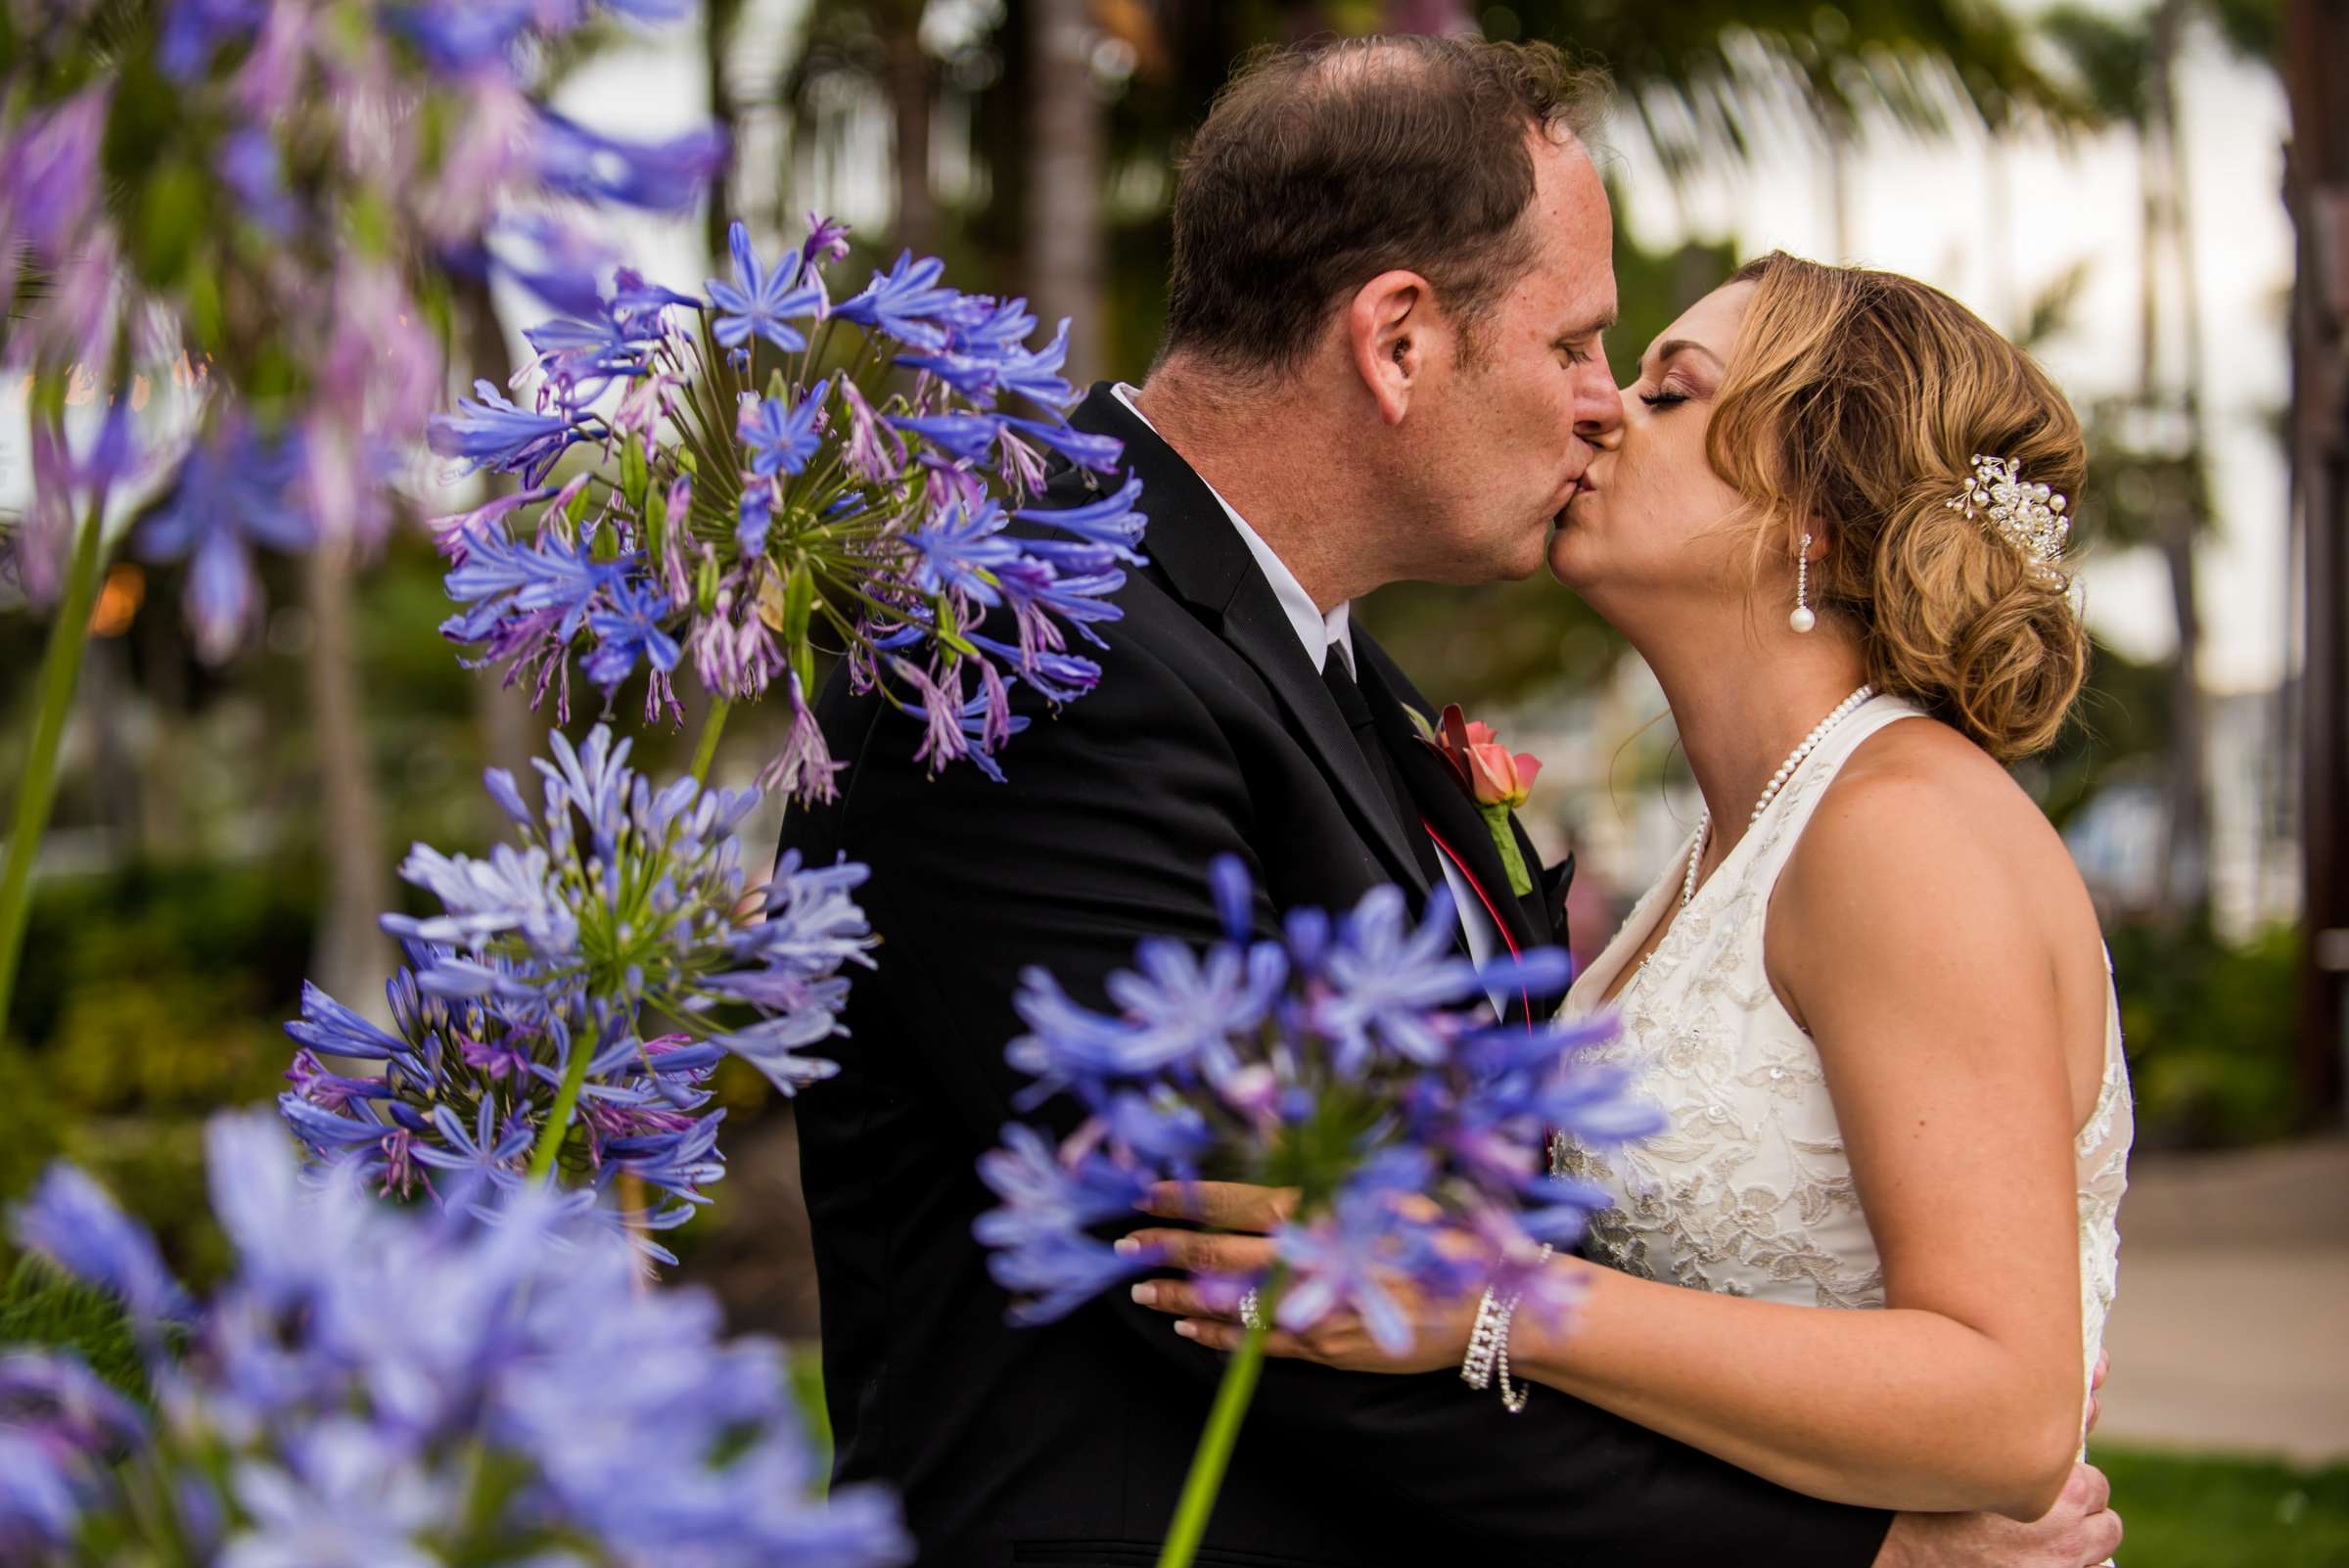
1781 825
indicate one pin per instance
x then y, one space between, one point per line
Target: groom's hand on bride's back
2079 1531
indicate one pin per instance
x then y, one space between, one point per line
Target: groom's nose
1598 408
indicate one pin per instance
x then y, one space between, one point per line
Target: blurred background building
2153 194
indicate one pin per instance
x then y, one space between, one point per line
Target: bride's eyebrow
1666 350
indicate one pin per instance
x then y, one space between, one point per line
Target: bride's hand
1438 1328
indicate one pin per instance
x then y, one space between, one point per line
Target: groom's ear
1389 325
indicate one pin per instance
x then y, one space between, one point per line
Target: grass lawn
2199 1510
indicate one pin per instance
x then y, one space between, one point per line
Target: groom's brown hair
1323 166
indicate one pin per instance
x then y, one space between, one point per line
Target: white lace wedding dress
1747 1190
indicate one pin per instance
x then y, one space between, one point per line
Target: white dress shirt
1319 633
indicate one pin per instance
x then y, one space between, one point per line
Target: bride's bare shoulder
1922 818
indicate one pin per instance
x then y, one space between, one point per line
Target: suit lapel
1446 807
1196 552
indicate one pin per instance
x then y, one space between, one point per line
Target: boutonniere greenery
1495 779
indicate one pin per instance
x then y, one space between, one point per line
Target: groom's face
1531 400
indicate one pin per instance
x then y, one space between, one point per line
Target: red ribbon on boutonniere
1496 780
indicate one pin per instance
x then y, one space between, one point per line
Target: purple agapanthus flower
489 431
661 177
501 580
235 489
910 303
628 630
249 165
1110 522
957 551
1353 1059
761 301
370 1365
827 240
967 438
195 31
1100 454
70 1221
783 436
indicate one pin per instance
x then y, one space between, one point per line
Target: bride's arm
1914 934
1914 928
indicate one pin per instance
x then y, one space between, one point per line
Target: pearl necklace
1777 781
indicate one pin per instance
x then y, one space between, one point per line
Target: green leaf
948 633
798 609
172 203
372 225
634 477
655 523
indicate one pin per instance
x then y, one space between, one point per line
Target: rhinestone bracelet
1483 1342
1488 1345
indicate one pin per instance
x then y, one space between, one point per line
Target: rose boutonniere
1496 779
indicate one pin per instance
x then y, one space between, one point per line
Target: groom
1382 362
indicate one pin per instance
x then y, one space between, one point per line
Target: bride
1871 997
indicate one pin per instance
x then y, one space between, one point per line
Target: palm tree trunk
352 957
507 729
718 19
2179 521
1066 223
910 78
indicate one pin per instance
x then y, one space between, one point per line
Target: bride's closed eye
1663 397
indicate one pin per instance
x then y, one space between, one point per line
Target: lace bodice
1747 1191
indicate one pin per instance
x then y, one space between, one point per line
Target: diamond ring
1252 1312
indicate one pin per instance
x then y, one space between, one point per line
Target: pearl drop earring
1802 619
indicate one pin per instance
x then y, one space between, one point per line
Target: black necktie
1357 712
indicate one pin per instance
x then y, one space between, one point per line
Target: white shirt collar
1317 632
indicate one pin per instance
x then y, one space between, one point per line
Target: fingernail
1186 1328
1126 1246
1146 1294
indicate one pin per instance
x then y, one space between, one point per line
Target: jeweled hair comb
2030 517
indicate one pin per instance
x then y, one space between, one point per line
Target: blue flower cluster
771 465
616 906
378 1388
1354 1060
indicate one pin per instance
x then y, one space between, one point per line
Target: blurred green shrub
2212 1033
150 997
40 1305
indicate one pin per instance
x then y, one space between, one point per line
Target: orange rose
1499 776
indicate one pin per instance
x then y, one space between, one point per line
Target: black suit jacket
1211 732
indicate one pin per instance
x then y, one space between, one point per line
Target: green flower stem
574 1072
714 725
1214 1454
60 671
558 1119
1505 840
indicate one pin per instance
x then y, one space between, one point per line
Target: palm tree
2154 447
1065 238
351 954
874 49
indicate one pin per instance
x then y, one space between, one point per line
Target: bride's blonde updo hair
1851 409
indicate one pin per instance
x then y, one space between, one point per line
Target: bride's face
1652 522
